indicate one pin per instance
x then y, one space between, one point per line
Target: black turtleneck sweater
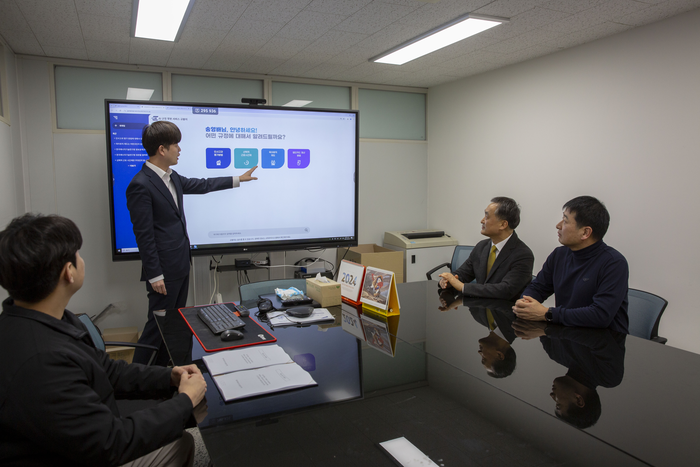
589 285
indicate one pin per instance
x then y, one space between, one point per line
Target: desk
436 392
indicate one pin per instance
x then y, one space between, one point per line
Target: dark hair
159 133
33 251
591 213
507 210
505 367
586 416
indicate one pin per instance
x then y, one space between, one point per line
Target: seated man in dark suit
57 391
587 277
501 265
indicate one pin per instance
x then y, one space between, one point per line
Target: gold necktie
492 259
489 318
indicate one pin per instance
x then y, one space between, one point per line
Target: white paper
248 383
281 319
246 358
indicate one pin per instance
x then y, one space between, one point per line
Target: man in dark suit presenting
155 201
502 264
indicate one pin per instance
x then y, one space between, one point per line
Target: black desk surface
646 392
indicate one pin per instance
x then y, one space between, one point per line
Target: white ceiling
323 39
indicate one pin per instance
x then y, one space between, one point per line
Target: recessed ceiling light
447 34
162 20
297 103
139 94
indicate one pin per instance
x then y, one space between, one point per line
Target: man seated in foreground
587 277
502 264
57 391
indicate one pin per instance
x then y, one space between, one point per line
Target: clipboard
253 333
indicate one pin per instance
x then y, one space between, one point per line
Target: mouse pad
253 333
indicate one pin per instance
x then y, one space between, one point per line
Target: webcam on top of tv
253 101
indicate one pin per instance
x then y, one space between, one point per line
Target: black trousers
176 298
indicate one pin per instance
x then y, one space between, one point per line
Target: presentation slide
306 171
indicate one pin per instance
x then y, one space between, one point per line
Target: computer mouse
231 335
300 311
264 305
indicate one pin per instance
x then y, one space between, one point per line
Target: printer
423 250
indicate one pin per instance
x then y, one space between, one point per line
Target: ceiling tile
433 15
527 21
658 12
226 61
357 72
23 42
309 25
523 41
203 39
249 35
296 67
384 76
388 38
262 65
326 71
188 58
338 7
149 52
282 48
117 52
42 12
353 56
65 52
11 17
610 10
105 28
114 8
55 35
278 11
374 17
508 8
336 41
588 35
571 6
216 14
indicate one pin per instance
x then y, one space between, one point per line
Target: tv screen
306 195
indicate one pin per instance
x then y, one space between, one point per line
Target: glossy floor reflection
348 434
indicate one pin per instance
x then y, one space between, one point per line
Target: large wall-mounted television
306 195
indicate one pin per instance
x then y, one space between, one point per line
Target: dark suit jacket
501 310
509 276
159 226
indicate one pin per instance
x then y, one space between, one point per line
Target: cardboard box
376 256
127 334
327 294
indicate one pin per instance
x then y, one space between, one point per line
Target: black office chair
645 310
254 289
459 256
99 342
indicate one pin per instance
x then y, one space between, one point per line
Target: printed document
270 379
245 358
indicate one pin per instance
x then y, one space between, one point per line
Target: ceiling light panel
161 20
446 35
